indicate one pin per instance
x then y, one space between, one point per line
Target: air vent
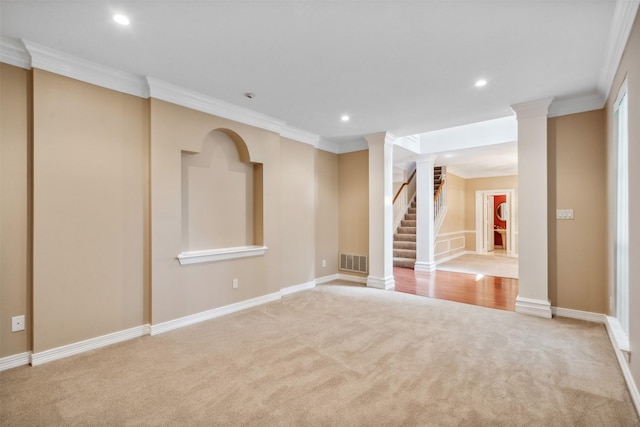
355 263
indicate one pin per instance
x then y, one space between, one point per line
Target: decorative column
533 269
425 258
380 211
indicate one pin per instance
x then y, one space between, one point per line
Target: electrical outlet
17 323
235 283
324 262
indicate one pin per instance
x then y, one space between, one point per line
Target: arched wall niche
222 200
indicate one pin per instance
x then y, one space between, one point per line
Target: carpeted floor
332 356
487 265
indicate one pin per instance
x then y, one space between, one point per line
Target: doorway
496 219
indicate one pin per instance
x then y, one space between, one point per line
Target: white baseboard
351 278
456 255
424 266
87 345
213 313
297 288
381 282
326 279
622 354
15 360
533 307
578 314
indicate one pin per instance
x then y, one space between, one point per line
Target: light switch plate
564 214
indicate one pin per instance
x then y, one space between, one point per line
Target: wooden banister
404 184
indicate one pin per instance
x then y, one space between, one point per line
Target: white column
533 271
425 258
380 211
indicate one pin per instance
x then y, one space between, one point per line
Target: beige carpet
487 265
337 356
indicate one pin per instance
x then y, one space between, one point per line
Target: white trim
299 135
86 345
424 266
576 104
450 257
622 22
388 282
454 232
13 52
621 338
352 278
181 322
297 288
210 255
326 279
578 314
67 65
15 360
622 355
187 98
533 307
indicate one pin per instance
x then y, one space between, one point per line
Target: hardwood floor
486 291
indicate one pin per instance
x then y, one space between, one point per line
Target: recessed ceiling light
345 118
481 82
121 19
249 95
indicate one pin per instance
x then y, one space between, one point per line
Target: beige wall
298 211
217 196
482 184
326 238
630 68
353 203
90 156
576 178
182 290
98 157
15 194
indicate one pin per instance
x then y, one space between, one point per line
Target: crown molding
622 22
26 54
67 65
196 101
300 135
14 53
576 104
330 146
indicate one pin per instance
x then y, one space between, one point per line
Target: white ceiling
405 67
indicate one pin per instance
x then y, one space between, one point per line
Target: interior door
488 224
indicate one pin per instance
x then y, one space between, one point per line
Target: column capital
426 158
385 138
532 109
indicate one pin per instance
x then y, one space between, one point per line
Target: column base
533 307
388 282
425 266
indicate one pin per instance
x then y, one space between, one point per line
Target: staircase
404 241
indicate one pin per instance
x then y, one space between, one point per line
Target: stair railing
402 198
440 204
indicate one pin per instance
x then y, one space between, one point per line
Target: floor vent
355 263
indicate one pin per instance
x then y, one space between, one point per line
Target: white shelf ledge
210 255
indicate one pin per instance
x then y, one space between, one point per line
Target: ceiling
404 67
